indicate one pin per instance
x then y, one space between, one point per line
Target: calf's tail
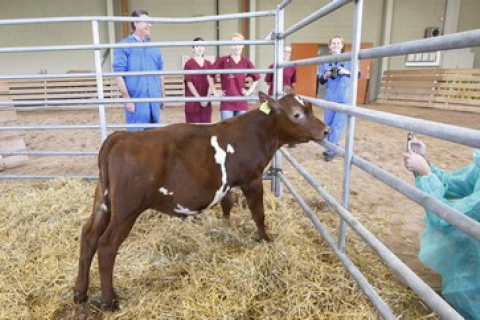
103 159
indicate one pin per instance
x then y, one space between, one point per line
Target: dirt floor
376 143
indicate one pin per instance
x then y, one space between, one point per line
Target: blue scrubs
444 248
140 59
337 90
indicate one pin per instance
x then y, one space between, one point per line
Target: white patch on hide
104 207
165 191
220 158
300 100
183 210
105 193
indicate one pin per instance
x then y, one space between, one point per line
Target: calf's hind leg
117 231
91 232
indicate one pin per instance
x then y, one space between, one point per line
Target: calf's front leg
254 194
227 204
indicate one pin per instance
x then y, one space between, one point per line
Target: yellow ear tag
265 108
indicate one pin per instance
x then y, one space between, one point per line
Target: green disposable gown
444 248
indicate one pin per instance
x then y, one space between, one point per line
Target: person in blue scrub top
140 59
336 77
450 252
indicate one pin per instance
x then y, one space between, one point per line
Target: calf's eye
298 115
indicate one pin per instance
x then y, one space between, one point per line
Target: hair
237 35
197 39
137 13
336 37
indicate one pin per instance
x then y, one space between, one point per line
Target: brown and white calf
183 169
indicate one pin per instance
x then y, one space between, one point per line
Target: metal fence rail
465 136
405 273
446 132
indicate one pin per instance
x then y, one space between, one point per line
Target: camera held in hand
334 70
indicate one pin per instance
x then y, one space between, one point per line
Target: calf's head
294 118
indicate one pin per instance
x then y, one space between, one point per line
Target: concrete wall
410 18
469 20
48 34
340 22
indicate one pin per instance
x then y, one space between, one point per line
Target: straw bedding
173 269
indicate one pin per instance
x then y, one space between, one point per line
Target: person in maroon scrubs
196 85
234 84
289 73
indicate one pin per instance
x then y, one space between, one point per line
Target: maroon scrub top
199 81
289 77
232 84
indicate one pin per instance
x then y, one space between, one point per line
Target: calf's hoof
105 306
109 306
264 238
79 297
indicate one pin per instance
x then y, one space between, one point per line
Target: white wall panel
410 19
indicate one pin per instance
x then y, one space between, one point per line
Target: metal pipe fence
404 272
131 73
446 132
362 282
465 136
458 40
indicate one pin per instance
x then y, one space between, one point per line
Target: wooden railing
452 89
46 90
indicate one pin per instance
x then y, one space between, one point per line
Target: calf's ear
263 97
272 103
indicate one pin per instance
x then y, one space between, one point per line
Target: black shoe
329 157
324 153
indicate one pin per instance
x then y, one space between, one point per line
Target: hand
417 146
327 74
130 106
416 163
218 94
342 70
246 92
204 104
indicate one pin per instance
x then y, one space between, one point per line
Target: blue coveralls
447 250
140 59
337 90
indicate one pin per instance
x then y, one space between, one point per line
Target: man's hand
130 107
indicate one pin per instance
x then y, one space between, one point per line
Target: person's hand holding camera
416 163
417 146
342 70
414 159
327 74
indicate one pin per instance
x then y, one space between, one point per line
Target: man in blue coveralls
144 86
